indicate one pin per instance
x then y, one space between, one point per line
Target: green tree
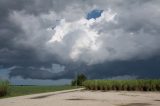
80 78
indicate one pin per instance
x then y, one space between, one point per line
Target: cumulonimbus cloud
92 41
37 34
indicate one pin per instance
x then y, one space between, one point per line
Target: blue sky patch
94 14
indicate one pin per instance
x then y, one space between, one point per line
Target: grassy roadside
26 90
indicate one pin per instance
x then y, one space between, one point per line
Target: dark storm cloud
35 73
148 68
19 48
20 55
51 72
17 54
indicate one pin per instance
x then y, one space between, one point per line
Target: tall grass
3 88
127 85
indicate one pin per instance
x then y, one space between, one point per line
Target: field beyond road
86 98
27 90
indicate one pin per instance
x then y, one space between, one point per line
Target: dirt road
85 98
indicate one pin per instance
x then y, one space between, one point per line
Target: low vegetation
127 85
3 88
26 90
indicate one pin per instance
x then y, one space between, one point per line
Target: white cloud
80 38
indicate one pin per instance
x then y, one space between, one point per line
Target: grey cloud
23 41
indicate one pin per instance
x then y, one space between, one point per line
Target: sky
48 42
